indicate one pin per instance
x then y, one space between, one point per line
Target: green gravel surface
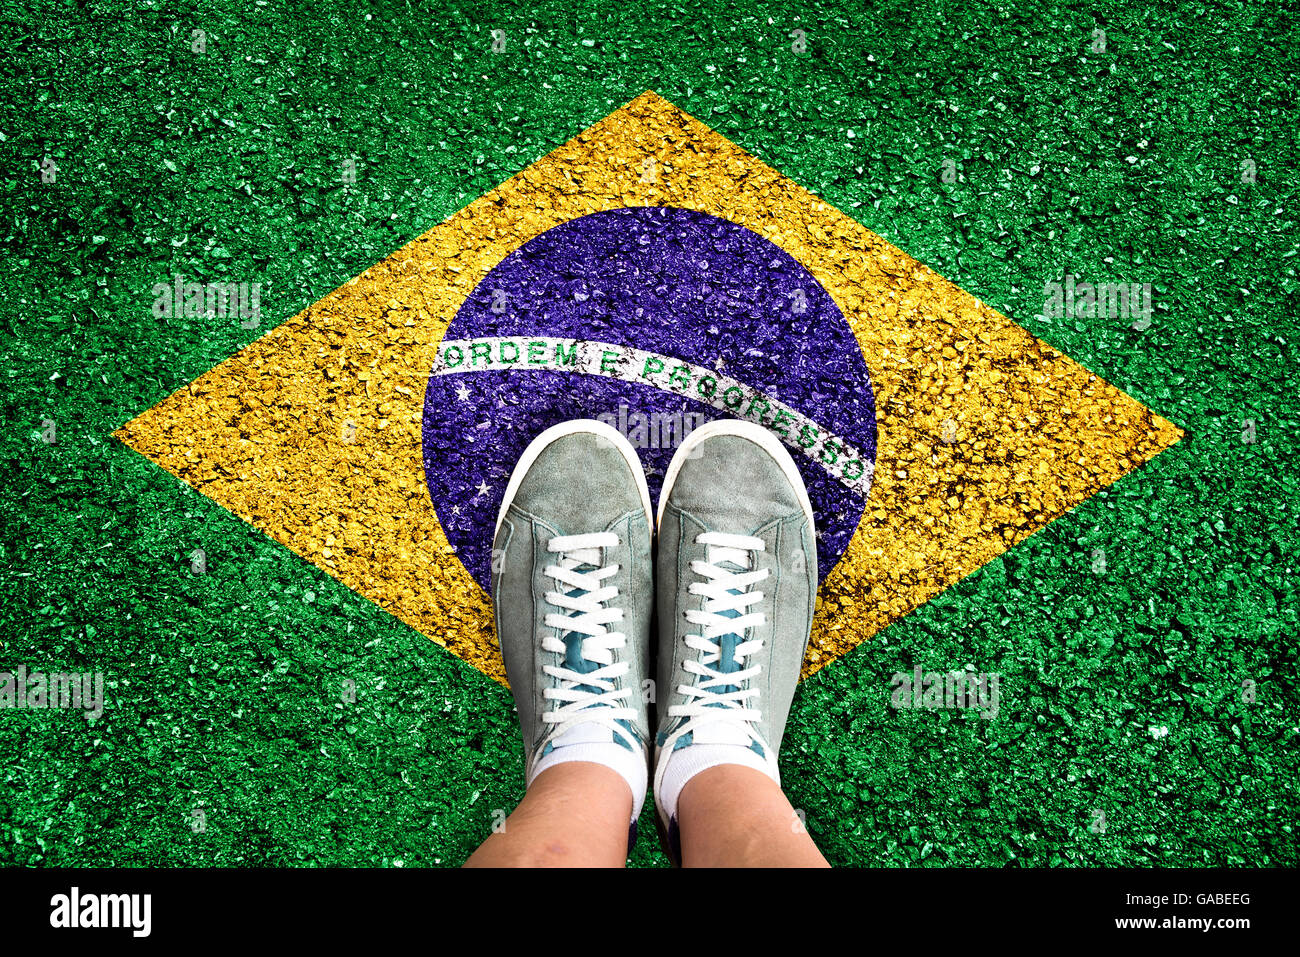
1122 689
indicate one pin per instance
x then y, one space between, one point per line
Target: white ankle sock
678 767
596 744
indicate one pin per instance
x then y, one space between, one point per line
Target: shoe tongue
588 732
723 732
574 660
737 561
729 559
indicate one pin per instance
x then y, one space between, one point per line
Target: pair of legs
574 815
576 582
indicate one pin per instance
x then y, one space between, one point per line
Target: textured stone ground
1002 148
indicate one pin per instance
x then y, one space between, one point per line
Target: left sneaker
572 593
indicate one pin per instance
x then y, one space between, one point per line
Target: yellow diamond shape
313 432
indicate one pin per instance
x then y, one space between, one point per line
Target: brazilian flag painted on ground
294 289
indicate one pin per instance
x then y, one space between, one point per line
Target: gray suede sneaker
736 577
572 593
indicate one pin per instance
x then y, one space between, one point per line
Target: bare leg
575 814
734 816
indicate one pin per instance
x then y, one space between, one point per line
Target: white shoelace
706 702
590 613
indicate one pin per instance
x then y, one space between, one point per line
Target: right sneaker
736 578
